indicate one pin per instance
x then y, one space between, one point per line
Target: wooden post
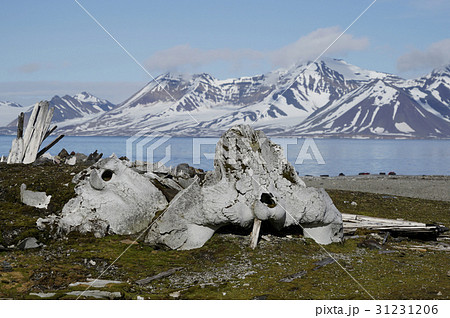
31 123
40 153
255 233
48 133
38 129
25 148
352 222
17 147
20 121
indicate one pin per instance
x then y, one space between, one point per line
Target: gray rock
80 157
184 183
63 154
260 297
176 294
99 294
96 283
44 159
36 199
71 161
184 170
94 157
290 278
6 267
29 243
43 295
252 179
324 262
165 274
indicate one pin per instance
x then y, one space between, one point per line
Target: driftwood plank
352 222
17 146
20 121
16 152
41 126
290 278
48 133
45 149
25 148
147 280
31 123
255 233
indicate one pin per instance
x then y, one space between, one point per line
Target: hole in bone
267 198
107 175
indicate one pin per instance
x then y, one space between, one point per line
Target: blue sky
54 47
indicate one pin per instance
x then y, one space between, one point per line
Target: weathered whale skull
111 198
252 179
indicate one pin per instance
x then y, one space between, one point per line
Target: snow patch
404 127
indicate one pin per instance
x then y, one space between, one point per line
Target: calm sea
309 157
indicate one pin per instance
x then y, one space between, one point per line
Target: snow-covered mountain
326 98
376 108
70 110
433 92
202 105
9 111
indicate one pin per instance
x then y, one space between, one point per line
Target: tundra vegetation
285 265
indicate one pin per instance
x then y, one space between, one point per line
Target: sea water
309 156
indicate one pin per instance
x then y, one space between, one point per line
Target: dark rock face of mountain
80 106
376 108
433 92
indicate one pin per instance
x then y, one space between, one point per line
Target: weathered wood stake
48 133
352 222
20 121
45 149
255 233
25 147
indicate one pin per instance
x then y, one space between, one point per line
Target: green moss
289 174
17 220
255 146
379 205
225 267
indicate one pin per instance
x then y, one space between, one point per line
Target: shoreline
432 187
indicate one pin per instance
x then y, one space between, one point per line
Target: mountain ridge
81 106
307 99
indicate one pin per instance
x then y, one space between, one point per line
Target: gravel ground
423 187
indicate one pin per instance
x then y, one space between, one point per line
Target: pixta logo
142 148
306 153
165 150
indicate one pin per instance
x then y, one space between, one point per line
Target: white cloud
305 48
29 68
183 56
436 55
310 46
430 5
33 67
